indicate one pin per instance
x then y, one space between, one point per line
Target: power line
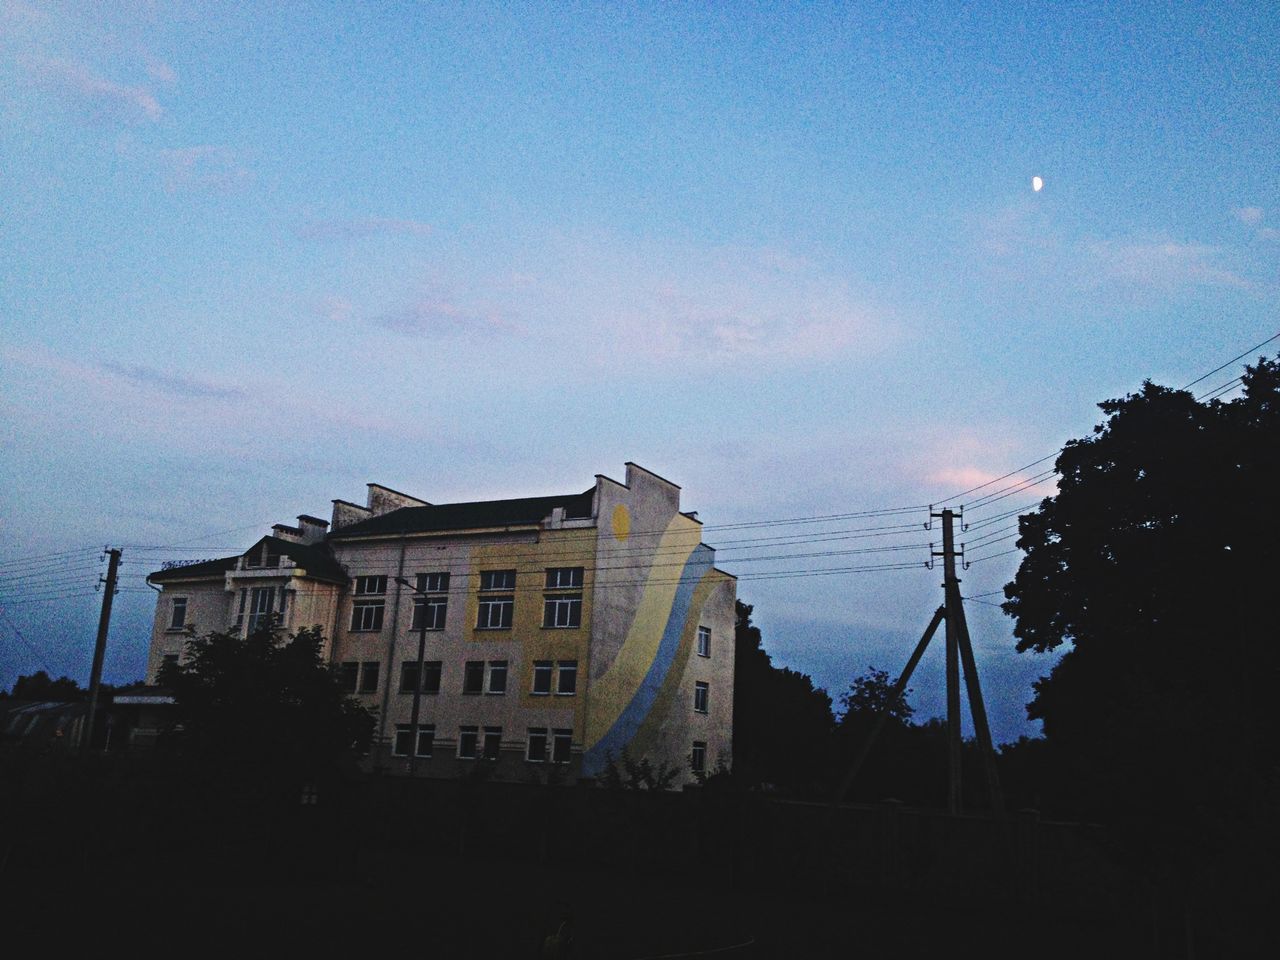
1206 376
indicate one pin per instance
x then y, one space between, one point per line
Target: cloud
441 316
1249 215
359 228
1269 233
203 168
160 71
107 98
170 383
1160 263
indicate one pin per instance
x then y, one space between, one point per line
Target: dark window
492 742
369 677
542 676
431 676
704 641
468 742
497 580
179 613
495 613
349 675
408 676
537 744
261 602
433 583
701 695
564 578
698 758
429 612
497 676
561 746
371 586
404 736
567 677
366 615
562 610
473 677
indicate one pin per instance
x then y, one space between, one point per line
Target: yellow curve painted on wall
613 691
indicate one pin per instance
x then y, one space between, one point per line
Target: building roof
470 516
314 559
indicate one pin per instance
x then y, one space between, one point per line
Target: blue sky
787 255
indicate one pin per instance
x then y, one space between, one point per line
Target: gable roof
314 560
470 516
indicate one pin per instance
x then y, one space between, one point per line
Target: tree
781 722
39 686
263 710
1155 564
869 695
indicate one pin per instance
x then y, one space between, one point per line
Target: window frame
554 604
178 613
473 670
426 731
698 757
545 668
491 736
464 731
540 733
564 578
370 671
566 668
377 610
500 668
701 696
497 581
561 736
370 585
704 641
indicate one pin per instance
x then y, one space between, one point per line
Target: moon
1037 184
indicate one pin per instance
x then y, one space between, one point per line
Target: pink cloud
1249 215
362 227
203 168
1163 263
128 103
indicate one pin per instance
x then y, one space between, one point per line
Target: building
558 630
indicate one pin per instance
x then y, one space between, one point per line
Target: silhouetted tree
39 686
262 710
781 722
871 694
1155 562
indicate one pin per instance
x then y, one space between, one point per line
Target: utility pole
959 650
417 686
950 586
100 649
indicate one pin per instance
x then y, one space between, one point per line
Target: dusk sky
789 256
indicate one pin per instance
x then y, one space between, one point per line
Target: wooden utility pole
959 650
100 649
414 713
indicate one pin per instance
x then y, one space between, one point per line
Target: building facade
558 630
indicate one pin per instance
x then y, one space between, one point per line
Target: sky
255 256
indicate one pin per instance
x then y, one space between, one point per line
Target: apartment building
556 631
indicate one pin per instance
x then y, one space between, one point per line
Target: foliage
1154 564
871 694
782 723
39 686
258 706
636 774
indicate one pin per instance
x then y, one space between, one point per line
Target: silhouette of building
559 630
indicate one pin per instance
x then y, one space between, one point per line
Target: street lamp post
417 683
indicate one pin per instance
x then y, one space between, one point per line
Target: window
371 586
179 619
562 610
429 611
701 693
430 676
704 641
404 738
537 745
698 757
560 746
497 580
492 742
433 583
497 677
468 742
240 612
349 675
261 602
542 676
366 615
495 613
564 578
567 677
369 677
473 677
